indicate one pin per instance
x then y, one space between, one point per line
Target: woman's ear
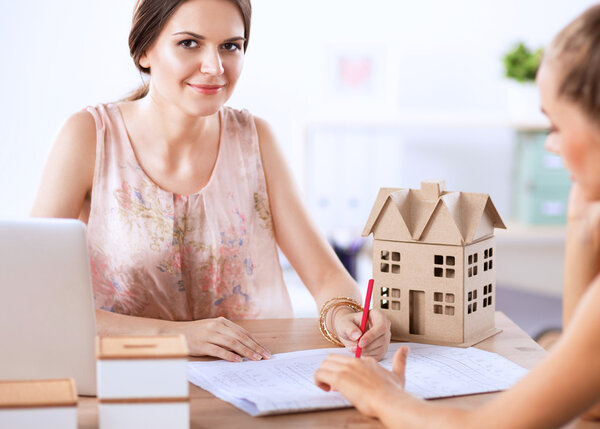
144 62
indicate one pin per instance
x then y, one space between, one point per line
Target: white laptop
47 318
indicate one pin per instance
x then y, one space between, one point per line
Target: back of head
575 55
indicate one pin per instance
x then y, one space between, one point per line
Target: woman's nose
211 63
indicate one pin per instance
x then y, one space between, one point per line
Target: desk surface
286 335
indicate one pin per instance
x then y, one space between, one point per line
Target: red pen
363 323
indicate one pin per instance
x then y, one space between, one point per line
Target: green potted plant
522 63
520 67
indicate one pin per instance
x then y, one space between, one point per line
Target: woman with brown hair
186 200
567 383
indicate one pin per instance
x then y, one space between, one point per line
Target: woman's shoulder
79 126
245 117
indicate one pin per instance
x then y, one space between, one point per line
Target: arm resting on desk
562 387
207 337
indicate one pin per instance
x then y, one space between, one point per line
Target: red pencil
363 323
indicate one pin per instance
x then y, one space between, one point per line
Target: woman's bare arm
310 254
68 175
563 386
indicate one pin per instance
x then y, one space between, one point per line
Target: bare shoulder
264 131
79 129
68 175
267 141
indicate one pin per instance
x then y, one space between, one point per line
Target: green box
536 165
541 183
542 205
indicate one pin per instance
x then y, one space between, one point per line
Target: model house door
416 312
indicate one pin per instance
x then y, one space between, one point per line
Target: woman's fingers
220 352
347 326
224 339
377 337
399 363
246 340
331 370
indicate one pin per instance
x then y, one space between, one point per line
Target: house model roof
432 215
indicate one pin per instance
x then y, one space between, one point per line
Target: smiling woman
146 30
186 199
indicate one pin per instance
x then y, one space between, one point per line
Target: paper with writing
285 383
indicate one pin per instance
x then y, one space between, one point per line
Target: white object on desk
49 404
46 303
285 383
142 382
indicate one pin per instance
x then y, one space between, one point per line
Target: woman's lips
207 89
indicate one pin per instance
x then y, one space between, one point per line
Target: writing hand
364 382
376 338
224 339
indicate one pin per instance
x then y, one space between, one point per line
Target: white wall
434 55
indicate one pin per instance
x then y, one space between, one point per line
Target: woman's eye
188 43
231 46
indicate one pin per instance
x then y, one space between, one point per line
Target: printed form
285 383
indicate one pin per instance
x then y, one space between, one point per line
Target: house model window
390 302
440 268
472 301
433 264
487 256
487 295
390 261
438 299
472 267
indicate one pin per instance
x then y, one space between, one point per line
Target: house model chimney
432 189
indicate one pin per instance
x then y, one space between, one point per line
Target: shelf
531 235
412 119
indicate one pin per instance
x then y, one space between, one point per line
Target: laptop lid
47 316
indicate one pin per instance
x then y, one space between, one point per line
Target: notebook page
285 383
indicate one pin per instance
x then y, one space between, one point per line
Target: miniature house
434 263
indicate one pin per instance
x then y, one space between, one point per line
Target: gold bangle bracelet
343 301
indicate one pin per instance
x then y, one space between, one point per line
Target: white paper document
285 383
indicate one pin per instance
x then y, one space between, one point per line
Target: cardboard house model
434 262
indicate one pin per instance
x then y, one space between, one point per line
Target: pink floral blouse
184 257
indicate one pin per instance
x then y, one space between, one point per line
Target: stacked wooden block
50 404
142 382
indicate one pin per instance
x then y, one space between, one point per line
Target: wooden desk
286 335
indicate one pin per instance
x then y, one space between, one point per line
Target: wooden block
144 415
142 347
38 403
142 368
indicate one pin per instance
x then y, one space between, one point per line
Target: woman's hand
376 338
223 339
363 381
585 213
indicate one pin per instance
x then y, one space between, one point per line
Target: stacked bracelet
343 301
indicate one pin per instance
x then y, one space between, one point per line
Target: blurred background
362 95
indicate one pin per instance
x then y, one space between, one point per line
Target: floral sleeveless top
184 257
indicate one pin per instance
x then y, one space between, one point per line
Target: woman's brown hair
150 17
575 52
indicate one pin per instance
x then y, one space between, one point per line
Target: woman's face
573 136
198 56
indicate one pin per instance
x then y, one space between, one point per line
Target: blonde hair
575 52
